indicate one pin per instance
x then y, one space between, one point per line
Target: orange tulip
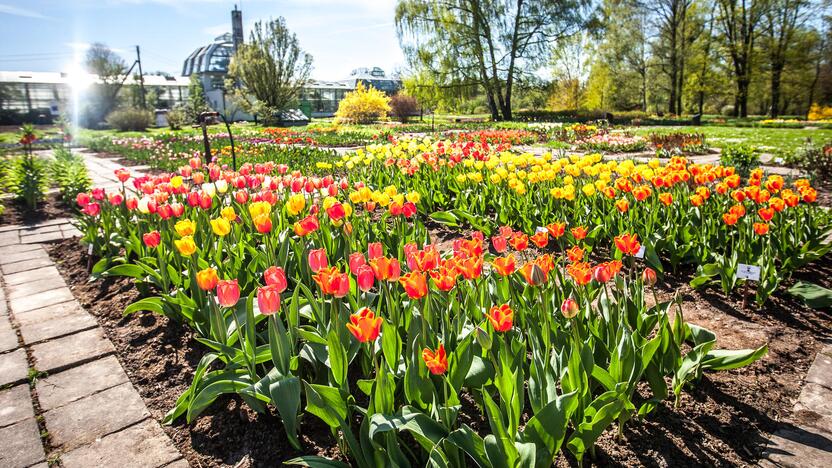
504 265
332 281
471 267
263 223
207 279
436 361
540 239
766 214
414 284
556 229
501 317
579 232
761 229
729 219
444 278
623 205
575 254
519 242
666 198
628 244
580 272
533 273
364 325
386 269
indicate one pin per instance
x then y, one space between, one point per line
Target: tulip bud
601 274
569 308
483 338
649 276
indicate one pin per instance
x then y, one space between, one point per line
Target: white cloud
17 11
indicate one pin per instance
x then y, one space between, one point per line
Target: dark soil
50 208
723 421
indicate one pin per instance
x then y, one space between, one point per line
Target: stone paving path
64 397
808 443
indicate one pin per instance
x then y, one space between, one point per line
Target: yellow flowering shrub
363 106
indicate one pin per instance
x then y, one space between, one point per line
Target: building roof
85 78
213 57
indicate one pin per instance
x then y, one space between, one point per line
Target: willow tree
269 71
485 43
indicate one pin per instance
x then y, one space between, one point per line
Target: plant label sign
748 272
640 253
541 229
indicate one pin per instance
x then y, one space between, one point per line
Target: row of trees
674 56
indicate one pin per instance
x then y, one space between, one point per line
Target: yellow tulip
185 246
220 226
185 227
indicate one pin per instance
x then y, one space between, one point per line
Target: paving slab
10 227
83 421
13 249
36 229
32 287
13 368
76 383
797 447
78 348
42 299
821 371
33 275
4 310
40 238
15 405
8 338
24 255
144 445
21 445
54 322
9 238
25 265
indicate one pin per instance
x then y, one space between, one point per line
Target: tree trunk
776 73
742 97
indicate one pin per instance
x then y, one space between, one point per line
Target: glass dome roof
212 58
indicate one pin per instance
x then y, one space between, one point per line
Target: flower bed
330 292
613 143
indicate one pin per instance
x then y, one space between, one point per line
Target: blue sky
48 35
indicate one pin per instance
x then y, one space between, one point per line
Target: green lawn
770 140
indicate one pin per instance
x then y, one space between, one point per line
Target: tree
569 62
782 20
268 72
110 69
196 103
486 43
740 20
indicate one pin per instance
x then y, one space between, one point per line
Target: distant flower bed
513 137
613 143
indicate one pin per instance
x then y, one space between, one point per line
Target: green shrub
130 118
177 118
815 160
28 180
742 157
70 174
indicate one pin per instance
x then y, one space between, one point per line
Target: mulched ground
17 214
723 421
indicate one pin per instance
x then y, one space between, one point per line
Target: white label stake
748 272
640 253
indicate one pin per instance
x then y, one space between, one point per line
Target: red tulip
317 260
268 299
365 277
152 239
275 276
228 292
